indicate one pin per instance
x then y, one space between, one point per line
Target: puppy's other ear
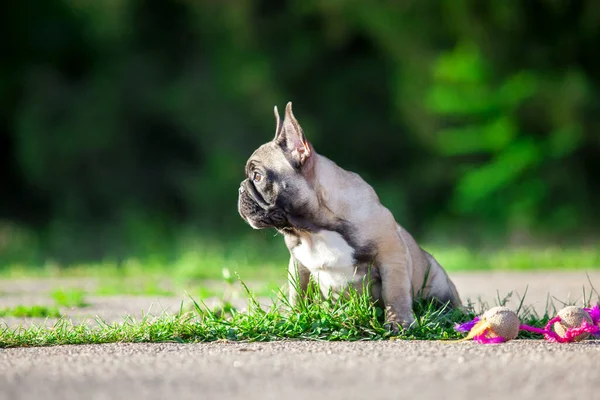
291 138
278 125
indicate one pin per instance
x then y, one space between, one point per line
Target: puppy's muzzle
257 214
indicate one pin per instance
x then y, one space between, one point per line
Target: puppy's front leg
298 278
396 291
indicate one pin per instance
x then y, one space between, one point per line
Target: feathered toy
571 324
496 325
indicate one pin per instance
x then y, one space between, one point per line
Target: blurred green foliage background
125 124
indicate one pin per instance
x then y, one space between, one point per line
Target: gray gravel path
303 370
540 287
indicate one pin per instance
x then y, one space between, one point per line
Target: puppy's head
278 190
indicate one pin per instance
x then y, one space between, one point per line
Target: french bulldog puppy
335 227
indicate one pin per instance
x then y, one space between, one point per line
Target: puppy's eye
257 177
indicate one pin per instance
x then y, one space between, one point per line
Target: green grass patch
266 260
197 258
69 298
22 311
520 259
350 319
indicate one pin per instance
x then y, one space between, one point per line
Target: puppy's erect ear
291 137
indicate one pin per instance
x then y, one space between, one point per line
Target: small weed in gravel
22 311
69 298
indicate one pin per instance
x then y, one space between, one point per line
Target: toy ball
497 325
570 318
503 322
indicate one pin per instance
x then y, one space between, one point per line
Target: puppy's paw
393 327
394 321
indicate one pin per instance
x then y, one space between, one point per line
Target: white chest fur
329 258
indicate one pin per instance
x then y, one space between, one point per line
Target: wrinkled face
276 192
272 191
